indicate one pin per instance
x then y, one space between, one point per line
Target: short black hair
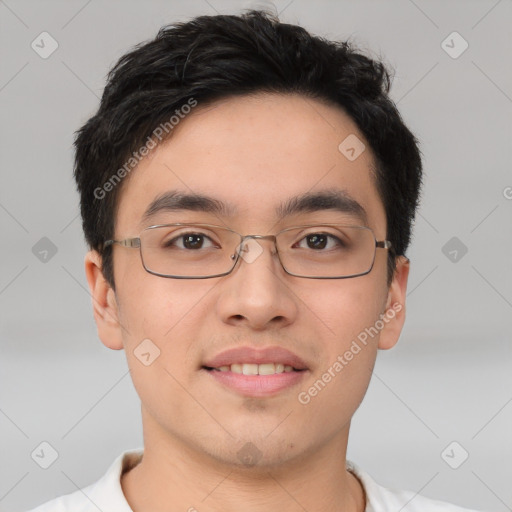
209 58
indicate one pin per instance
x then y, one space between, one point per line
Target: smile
252 381
255 369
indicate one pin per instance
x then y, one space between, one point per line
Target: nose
257 292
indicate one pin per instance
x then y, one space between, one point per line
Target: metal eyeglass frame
135 242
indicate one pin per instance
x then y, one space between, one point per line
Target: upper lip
256 356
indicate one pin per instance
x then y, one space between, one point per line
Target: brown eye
192 241
319 241
316 241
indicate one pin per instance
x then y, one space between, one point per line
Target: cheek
160 331
346 314
150 306
344 370
166 312
346 307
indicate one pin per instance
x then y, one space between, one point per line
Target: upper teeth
256 369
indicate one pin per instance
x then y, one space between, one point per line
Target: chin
251 449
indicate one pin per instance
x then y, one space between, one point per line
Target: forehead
256 156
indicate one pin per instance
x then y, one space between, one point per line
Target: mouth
255 369
256 372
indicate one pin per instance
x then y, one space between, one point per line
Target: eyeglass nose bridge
242 245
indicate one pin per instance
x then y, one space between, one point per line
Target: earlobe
104 303
394 314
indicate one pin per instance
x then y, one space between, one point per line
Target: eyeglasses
202 251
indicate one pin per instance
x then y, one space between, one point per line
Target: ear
395 306
104 303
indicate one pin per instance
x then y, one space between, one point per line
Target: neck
173 472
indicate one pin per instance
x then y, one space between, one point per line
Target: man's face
253 154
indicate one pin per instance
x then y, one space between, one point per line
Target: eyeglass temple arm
127 242
384 244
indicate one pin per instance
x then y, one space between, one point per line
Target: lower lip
258 385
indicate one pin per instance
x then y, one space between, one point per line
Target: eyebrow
337 199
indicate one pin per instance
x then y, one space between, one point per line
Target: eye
189 241
318 241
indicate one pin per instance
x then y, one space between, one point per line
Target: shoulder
105 494
380 499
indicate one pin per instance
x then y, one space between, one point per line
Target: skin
253 152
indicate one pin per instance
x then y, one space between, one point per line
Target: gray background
448 379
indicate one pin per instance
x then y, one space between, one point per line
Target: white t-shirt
107 494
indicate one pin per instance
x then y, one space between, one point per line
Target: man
247 192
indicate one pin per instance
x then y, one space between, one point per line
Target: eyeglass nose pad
249 250
238 251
